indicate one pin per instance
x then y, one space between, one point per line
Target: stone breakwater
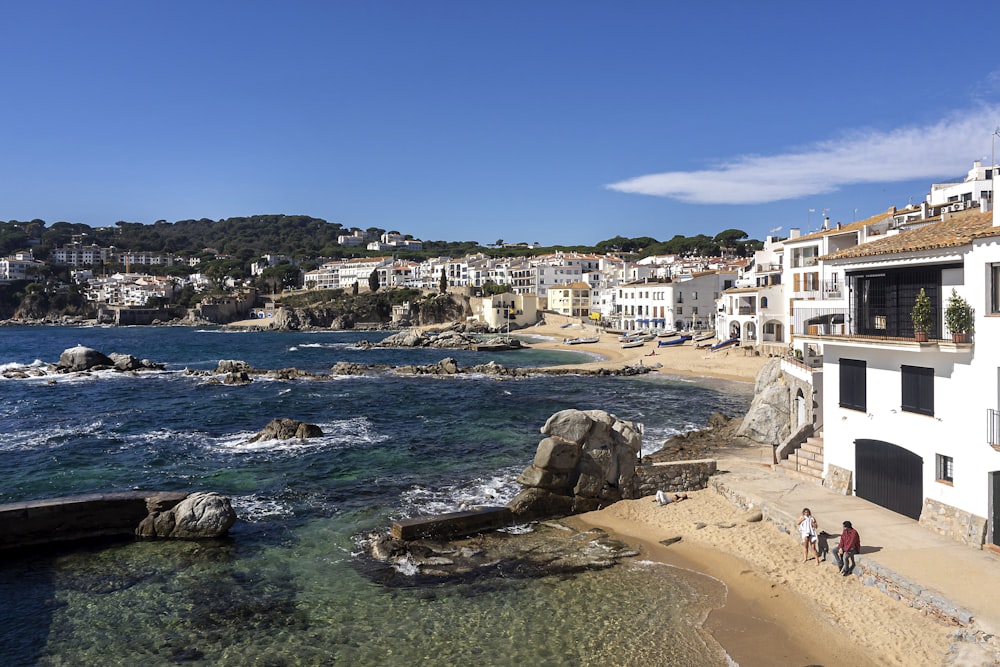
115 515
233 371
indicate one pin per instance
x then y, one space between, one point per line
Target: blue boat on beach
725 344
676 341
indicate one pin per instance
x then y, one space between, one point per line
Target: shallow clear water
282 589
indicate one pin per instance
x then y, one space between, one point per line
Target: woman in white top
809 530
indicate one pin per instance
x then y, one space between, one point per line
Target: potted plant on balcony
960 318
923 316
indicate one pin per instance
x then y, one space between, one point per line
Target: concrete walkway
955 582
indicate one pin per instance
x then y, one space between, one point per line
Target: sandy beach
686 359
779 609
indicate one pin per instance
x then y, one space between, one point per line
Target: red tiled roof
860 224
958 230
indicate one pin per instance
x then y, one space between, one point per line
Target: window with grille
945 468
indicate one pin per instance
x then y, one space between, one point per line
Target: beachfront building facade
507 310
915 426
686 303
755 310
572 300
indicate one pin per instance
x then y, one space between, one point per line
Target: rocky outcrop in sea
82 359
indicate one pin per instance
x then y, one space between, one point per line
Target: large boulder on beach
81 358
200 515
769 419
586 461
287 429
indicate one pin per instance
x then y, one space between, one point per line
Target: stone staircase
806 462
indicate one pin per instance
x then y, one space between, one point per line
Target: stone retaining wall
674 476
953 523
839 479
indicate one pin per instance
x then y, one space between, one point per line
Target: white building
507 310
685 303
18 267
344 273
968 194
911 426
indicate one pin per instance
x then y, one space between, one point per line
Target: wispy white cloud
943 149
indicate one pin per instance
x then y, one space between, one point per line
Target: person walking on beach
850 544
808 529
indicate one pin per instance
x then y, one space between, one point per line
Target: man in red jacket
850 544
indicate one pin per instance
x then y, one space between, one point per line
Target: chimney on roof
793 233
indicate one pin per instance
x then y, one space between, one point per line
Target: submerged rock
550 548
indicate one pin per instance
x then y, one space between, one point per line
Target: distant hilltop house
123 289
19 266
391 241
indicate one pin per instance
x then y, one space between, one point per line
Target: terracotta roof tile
860 224
958 230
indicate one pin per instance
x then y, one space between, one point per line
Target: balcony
889 328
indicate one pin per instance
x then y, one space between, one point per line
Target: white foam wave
497 490
37 363
342 434
254 509
53 436
406 566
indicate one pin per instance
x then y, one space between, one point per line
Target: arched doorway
800 410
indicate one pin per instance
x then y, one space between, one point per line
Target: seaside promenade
903 559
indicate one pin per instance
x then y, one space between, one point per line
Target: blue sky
557 122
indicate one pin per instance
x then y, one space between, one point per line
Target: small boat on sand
724 344
633 343
676 341
582 340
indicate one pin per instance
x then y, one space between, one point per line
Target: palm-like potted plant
923 316
960 318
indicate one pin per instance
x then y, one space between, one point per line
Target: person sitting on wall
850 544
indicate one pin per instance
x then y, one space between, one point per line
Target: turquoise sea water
283 588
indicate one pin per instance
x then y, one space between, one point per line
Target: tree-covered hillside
302 237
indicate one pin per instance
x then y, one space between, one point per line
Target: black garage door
890 476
